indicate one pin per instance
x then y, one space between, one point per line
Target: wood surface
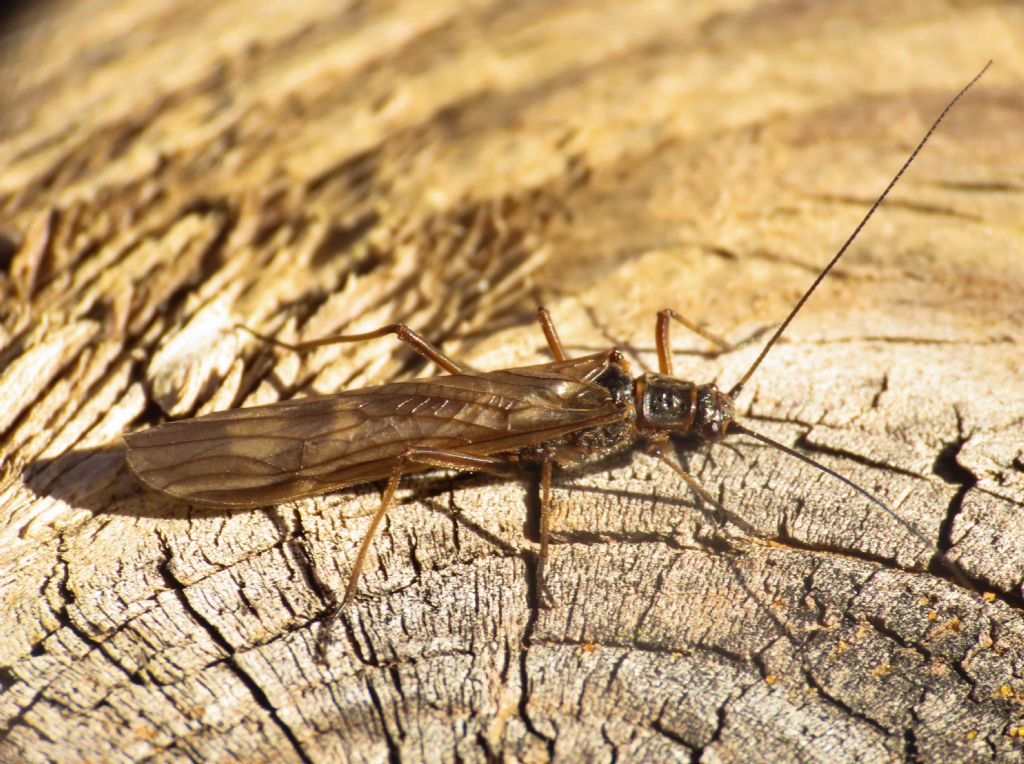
169 170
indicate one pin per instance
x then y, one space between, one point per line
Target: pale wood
308 168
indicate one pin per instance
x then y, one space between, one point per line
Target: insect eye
712 430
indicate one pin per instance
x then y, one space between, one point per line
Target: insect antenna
954 568
738 387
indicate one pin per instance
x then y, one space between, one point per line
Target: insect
567 412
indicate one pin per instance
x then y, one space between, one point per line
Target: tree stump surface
171 171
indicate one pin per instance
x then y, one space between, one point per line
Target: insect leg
663 342
655 450
550 334
410 337
417 457
408 461
545 515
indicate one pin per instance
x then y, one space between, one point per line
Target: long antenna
738 387
736 427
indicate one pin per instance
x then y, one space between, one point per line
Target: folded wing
267 454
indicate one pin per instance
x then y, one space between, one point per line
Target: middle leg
543 595
547 325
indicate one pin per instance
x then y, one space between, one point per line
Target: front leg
663 340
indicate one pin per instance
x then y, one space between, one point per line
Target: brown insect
567 412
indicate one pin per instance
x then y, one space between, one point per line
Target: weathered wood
169 171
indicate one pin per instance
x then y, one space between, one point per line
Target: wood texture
170 170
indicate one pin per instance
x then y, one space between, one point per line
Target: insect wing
267 454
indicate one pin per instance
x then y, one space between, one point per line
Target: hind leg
411 338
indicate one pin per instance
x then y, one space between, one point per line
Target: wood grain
307 168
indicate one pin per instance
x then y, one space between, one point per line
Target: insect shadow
567 413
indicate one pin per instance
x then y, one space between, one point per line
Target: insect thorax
591 444
596 443
681 407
